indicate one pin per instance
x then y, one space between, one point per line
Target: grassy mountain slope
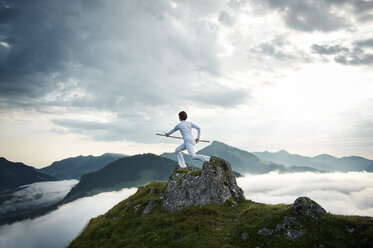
13 175
74 168
212 225
123 173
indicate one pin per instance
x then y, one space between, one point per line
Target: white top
185 128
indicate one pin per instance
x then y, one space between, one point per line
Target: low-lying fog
58 228
340 193
35 195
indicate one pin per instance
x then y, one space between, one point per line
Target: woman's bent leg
190 148
179 155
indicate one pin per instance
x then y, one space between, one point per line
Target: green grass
181 171
145 177
215 226
194 173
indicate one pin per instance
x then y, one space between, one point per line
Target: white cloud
339 193
36 195
58 228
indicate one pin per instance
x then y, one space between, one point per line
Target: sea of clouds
36 195
58 228
339 193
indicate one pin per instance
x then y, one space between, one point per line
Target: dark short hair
183 115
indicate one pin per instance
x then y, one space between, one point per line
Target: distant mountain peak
15 174
282 151
112 154
218 143
324 155
4 160
222 145
75 167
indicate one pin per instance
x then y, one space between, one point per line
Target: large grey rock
149 207
289 221
293 234
265 231
306 207
214 184
244 235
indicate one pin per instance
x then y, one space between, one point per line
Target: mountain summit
206 208
74 168
214 184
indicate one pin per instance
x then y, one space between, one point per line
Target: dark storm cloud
315 15
356 55
127 57
6 13
355 59
364 43
328 49
37 49
135 50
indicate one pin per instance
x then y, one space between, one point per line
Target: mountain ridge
15 174
324 162
242 161
75 167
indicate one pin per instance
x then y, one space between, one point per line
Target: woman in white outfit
185 128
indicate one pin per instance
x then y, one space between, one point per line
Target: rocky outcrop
214 184
149 207
306 207
290 227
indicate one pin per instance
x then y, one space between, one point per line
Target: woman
185 128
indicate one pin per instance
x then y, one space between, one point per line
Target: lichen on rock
306 207
149 207
290 226
214 184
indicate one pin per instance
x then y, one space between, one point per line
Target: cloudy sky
89 77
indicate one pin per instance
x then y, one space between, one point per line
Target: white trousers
190 148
